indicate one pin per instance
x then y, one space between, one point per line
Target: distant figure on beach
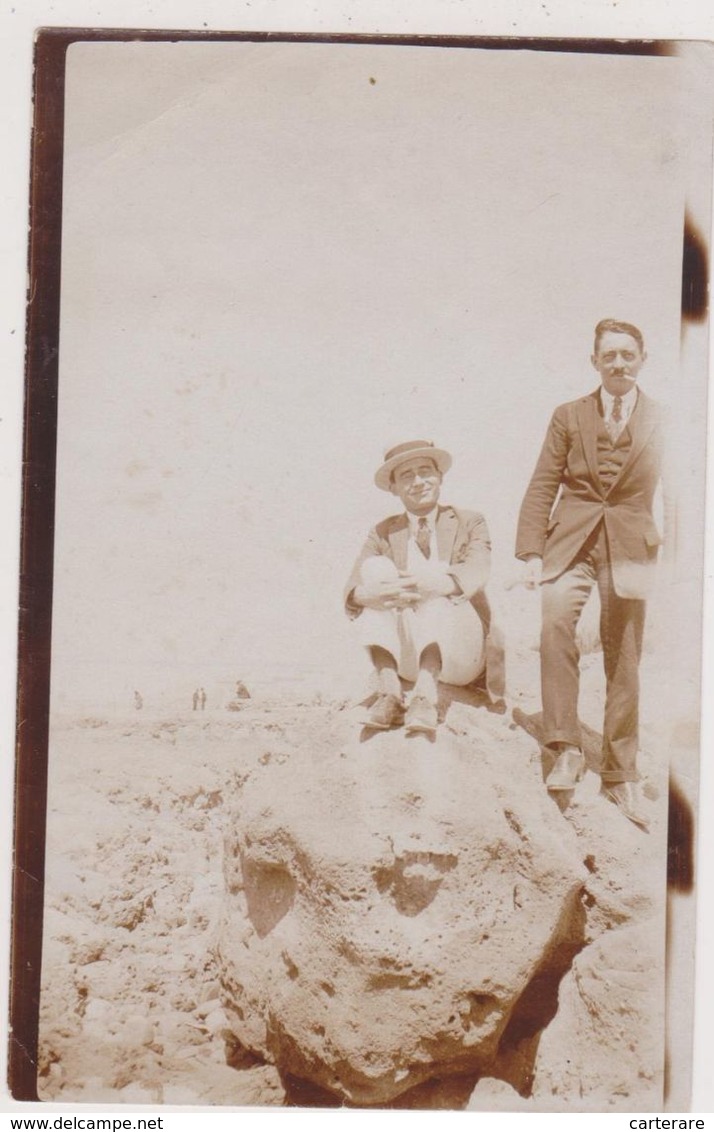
240 699
138 701
202 696
586 520
417 590
195 700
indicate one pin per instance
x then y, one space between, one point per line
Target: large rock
603 1050
389 903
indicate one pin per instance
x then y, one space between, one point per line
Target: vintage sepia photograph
363 550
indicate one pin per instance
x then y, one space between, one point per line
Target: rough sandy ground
130 1008
130 1005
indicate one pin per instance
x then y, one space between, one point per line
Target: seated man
417 588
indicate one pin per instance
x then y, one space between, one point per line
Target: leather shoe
386 712
625 796
569 768
421 717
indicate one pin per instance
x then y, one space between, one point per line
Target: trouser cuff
562 738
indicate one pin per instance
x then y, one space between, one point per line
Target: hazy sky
279 259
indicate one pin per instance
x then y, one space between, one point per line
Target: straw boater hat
393 457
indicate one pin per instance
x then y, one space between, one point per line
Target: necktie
423 538
615 424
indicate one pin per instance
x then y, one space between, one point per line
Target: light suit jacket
568 464
463 541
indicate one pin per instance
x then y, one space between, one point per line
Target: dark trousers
621 629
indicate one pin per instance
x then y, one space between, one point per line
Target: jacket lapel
641 424
398 540
588 416
447 525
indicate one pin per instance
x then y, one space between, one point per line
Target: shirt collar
430 520
607 400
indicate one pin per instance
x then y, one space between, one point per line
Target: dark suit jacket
569 461
463 541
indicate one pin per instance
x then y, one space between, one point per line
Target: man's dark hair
614 326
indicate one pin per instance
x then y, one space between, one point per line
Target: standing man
586 520
417 588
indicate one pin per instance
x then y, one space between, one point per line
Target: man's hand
532 572
397 593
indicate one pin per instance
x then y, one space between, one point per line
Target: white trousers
451 623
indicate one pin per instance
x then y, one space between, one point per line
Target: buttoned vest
611 457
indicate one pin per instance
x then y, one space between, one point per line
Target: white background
16 31
280 259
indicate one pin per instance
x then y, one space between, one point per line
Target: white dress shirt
415 559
